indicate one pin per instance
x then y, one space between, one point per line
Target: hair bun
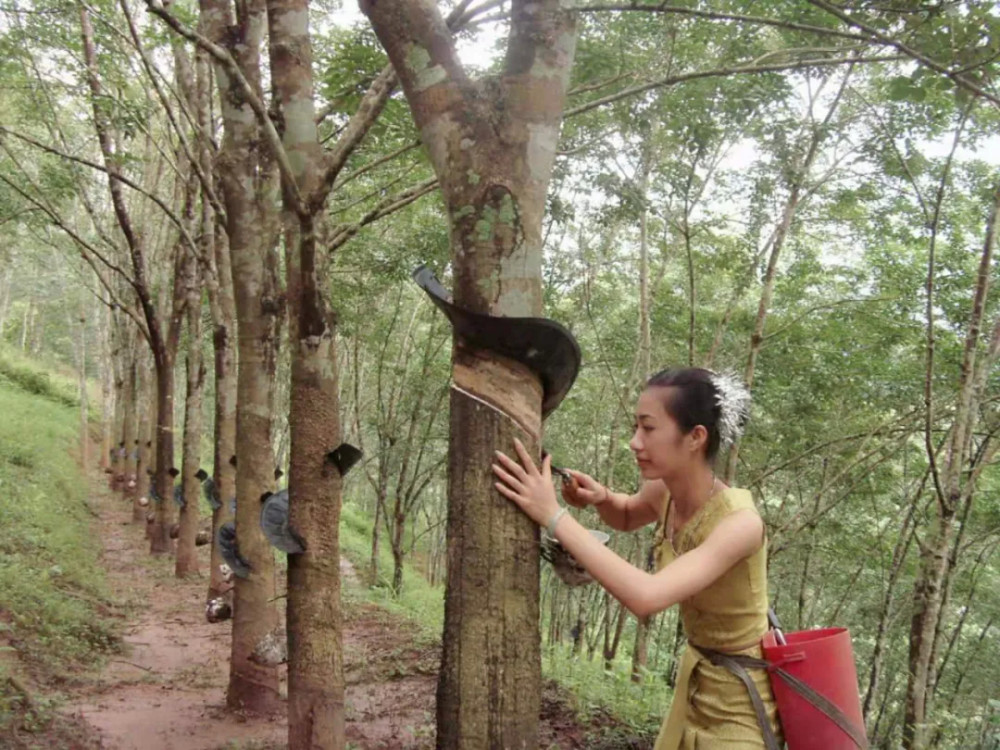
733 400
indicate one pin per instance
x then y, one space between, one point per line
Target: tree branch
959 80
233 69
371 106
206 182
189 241
939 489
723 72
378 162
390 205
58 221
719 16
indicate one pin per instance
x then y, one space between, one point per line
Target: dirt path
167 691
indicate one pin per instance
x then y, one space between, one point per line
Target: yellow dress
711 709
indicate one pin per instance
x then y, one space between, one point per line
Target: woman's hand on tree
583 490
525 485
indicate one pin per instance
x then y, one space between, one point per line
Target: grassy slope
52 590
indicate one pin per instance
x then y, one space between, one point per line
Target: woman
711 550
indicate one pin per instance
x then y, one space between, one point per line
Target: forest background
799 192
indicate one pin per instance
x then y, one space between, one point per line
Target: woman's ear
699 438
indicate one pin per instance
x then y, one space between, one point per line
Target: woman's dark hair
694 401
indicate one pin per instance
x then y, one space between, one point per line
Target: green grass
53 594
640 706
18 372
419 601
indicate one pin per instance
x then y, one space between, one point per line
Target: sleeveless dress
711 709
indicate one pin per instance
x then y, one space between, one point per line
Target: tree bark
315 659
186 562
492 145
135 479
640 648
214 247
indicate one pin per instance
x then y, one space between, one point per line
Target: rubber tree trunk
106 355
640 647
315 664
315 655
136 482
252 686
492 145
224 474
118 358
222 304
249 193
147 454
315 658
82 389
223 343
129 463
186 563
160 542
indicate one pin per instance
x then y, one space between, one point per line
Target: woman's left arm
737 536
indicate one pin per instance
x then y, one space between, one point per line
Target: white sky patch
477 52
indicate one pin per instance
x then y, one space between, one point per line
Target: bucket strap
738 664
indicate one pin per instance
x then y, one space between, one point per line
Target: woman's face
661 448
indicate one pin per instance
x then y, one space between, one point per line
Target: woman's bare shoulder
653 493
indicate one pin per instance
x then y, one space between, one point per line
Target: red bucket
824 661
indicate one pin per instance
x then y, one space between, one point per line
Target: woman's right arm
617 509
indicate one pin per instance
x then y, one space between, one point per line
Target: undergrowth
53 598
636 709
418 601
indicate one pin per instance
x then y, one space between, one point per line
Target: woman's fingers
571 494
512 466
585 480
547 467
526 460
507 492
508 478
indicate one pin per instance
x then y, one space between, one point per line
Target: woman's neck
691 490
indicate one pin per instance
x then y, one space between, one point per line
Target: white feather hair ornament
733 400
